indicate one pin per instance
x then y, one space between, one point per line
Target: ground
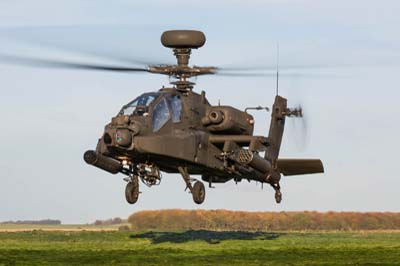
96 247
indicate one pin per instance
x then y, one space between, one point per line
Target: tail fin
276 128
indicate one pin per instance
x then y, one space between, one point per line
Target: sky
51 117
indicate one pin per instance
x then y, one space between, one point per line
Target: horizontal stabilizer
300 166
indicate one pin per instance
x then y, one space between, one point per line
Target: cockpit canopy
167 107
140 105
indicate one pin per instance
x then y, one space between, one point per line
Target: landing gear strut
278 194
198 190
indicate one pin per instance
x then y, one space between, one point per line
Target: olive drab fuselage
187 141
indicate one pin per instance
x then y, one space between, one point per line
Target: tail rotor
298 128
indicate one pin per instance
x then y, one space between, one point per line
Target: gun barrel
103 162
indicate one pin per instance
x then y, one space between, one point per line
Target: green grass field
199 248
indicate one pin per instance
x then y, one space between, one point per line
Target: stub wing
300 166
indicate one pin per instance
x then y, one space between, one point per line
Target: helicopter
176 130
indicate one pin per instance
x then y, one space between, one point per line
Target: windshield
160 115
176 107
139 105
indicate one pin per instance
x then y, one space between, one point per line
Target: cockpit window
139 105
176 108
160 115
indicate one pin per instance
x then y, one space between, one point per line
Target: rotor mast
182 57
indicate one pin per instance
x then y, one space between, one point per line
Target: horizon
166 210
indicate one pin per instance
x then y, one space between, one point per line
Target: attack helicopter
176 130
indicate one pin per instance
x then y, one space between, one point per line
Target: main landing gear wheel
132 190
278 197
198 192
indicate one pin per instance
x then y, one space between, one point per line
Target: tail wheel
132 190
198 192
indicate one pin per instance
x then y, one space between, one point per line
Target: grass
199 248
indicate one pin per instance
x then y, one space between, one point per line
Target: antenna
277 69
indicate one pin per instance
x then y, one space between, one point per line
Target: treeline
42 222
111 221
224 220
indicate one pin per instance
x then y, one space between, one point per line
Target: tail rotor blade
298 130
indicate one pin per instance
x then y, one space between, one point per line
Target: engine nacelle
228 120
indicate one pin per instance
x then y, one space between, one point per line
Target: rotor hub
182 42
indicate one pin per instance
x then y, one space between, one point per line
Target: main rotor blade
244 74
116 43
45 63
311 66
285 67
272 74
